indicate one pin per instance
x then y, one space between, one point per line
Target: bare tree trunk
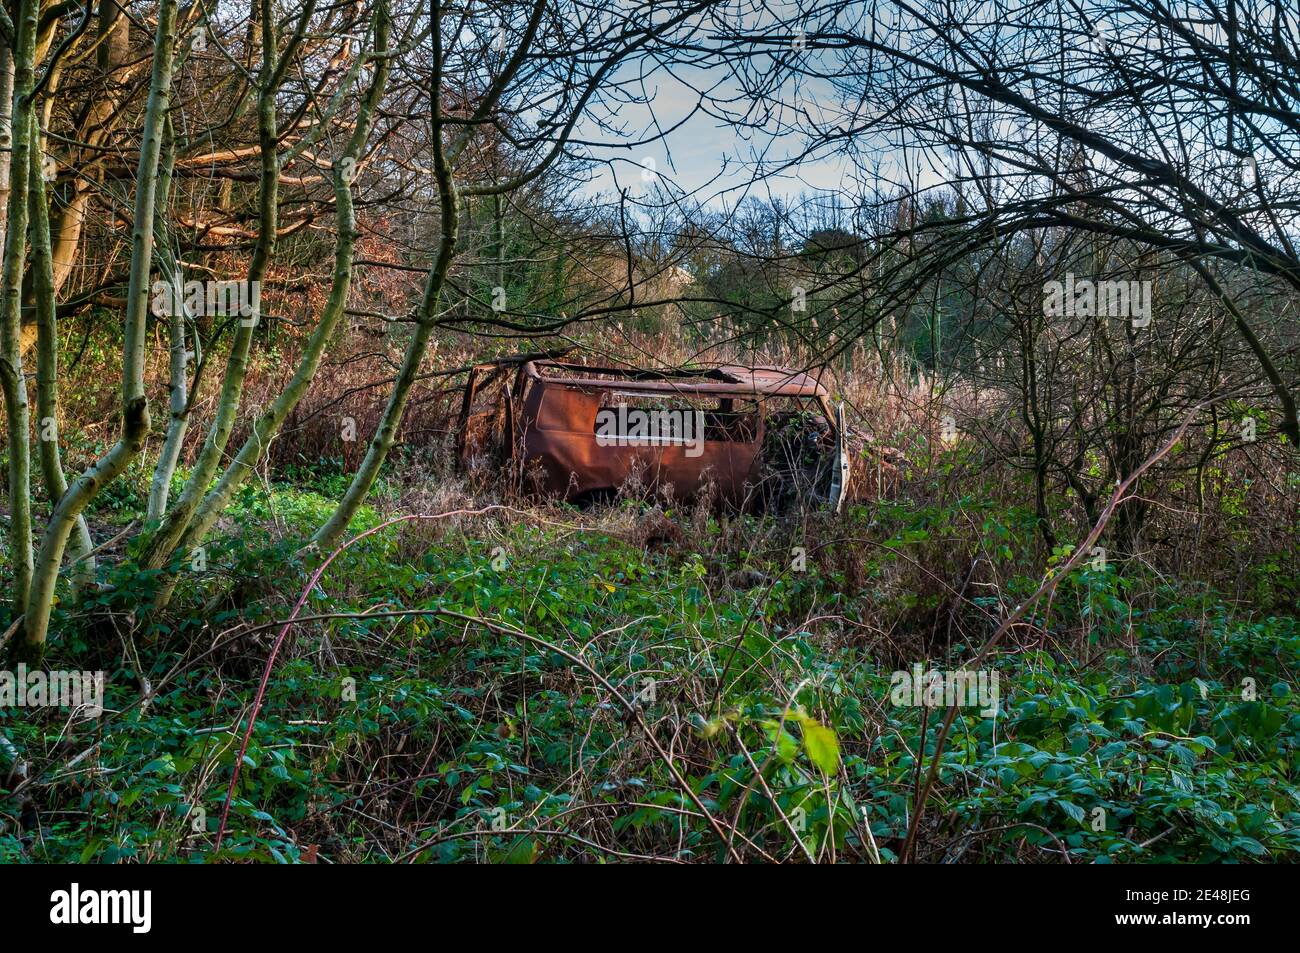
112 56
448 198
1285 399
11 274
178 394
47 360
266 426
177 522
386 433
385 436
6 132
30 646
341 281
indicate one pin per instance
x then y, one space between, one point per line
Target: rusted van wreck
751 437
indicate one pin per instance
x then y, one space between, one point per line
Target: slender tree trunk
72 201
341 281
177 521
386 434
6 132
47 360
266 426
11 275
1285 399
178 394
30 645
426 316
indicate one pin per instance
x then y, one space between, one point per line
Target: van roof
726 380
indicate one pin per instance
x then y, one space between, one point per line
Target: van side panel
559 437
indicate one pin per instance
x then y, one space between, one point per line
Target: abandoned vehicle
760 437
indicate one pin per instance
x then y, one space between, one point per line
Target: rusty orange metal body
563 426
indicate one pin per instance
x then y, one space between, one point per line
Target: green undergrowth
1135 722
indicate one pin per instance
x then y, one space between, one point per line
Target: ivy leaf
821 745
